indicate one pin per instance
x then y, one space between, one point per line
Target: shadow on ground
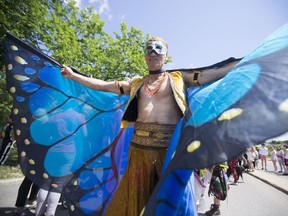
7 211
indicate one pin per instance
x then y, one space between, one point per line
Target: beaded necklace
157 85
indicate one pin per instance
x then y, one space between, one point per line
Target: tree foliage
73 37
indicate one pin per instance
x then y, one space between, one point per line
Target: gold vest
177 85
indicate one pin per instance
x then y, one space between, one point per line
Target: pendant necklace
157 85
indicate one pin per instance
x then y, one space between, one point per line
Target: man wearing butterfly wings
216 121
157 103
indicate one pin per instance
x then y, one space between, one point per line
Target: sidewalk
276 180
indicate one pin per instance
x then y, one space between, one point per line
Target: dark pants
24 191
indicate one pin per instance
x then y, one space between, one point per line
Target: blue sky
199 32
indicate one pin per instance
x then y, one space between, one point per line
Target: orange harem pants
146 156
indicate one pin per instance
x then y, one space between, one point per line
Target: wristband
196 76
120 87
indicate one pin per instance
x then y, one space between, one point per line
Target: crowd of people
279 157
253 158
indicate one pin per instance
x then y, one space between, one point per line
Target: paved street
263 193
253 197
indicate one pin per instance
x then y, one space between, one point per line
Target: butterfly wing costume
69 137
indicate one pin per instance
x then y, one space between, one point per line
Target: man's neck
162 70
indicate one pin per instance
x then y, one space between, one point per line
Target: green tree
15 18
73 37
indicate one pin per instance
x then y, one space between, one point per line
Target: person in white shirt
250 157
263 152
274 158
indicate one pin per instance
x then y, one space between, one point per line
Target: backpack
218 185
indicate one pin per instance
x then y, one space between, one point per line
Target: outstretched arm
208 74
117 87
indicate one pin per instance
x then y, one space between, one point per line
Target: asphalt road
253 197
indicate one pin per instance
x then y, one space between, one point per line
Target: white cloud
102 5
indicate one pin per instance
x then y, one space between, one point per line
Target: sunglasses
156 46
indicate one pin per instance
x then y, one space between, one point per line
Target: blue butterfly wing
179 201
68 136
245 108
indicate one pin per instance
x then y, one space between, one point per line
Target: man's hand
67 72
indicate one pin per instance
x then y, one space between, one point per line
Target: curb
271 184
11 181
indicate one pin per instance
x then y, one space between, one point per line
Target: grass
11 168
